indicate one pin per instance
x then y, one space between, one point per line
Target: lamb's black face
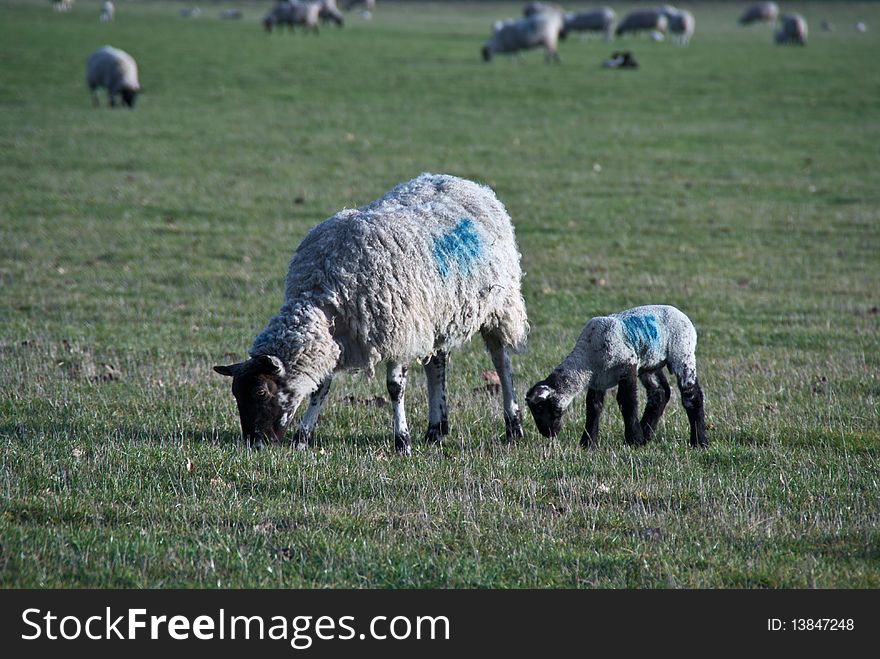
487 54
544 405
129 97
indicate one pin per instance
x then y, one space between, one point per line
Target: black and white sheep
292 13
114 70
761 12
643 19
792 30
680 23
622 349
513 36
409 276
594 20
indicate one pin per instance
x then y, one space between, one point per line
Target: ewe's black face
487 54
129 97
544 405
265 406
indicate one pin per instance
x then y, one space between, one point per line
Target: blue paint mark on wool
457 249
641 333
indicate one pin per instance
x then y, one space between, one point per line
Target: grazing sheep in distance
231 15
329 12
114 70
291 13
680 24
190 12
792 30
643 19
62 5
623 349
512 36
409 276
594 20
762 12
107 11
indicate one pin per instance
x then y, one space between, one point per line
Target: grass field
735 179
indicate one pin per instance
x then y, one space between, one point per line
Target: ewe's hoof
635 438
587 441
402 445
434 434
647 433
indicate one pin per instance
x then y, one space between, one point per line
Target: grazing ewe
643 19
107 11
762 12
329 12
792 30
291 13
622 349
114 70
680 23
513 36
410 276
594 20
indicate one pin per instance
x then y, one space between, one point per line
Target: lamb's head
546 407
129 96
267 395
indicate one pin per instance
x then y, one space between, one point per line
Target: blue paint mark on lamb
641 332
457 248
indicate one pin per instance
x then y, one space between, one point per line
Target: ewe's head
129 96
267 396
546 408
487 53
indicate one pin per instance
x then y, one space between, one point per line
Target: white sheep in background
409 276
292 13
594 20
512 36
107 11
792 30
114 70
761 12
329 12
680 23
620 350
653 20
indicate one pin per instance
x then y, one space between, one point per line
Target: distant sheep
792 30
107 11
116 71
681 24
409 276
762 12
653 20
329 13
62 5
594 20
190 12
512 36
231 15
621 350
292 13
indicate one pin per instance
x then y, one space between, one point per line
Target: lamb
680 23
107 11
512 36
643 19
761 12
594 20
621 349
116 71
793 30
291 13
409 276
329 12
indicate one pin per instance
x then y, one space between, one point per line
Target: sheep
329 12
190 12
291 13
622 349
512 36
116 71
680 23
594 20
621 60
643 19
761 12
409 276
62 5
792 30
107 11
231 15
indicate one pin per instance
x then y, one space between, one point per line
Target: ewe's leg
396 382
501 360
435 374
595 403
302 438
628 400
658 396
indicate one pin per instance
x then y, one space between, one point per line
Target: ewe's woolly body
595 20
792 30
422 269
643 19
112 69
539 29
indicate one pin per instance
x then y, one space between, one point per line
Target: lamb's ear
230 371
269 364
539 393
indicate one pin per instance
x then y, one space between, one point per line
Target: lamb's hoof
587 441
402 445
647 433
635 438
434 434
701 442
301 440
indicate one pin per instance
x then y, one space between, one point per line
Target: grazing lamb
594 20
762 12
680 23
643 19
792 30
622 349
114 70
107 11
513 36
328 12
409 276
291 13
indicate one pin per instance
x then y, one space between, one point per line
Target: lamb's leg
659 393
435 374
396 382
692 399
595 403
302 437
628 400
501 360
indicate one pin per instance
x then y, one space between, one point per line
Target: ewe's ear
539 393
231 371
269 364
